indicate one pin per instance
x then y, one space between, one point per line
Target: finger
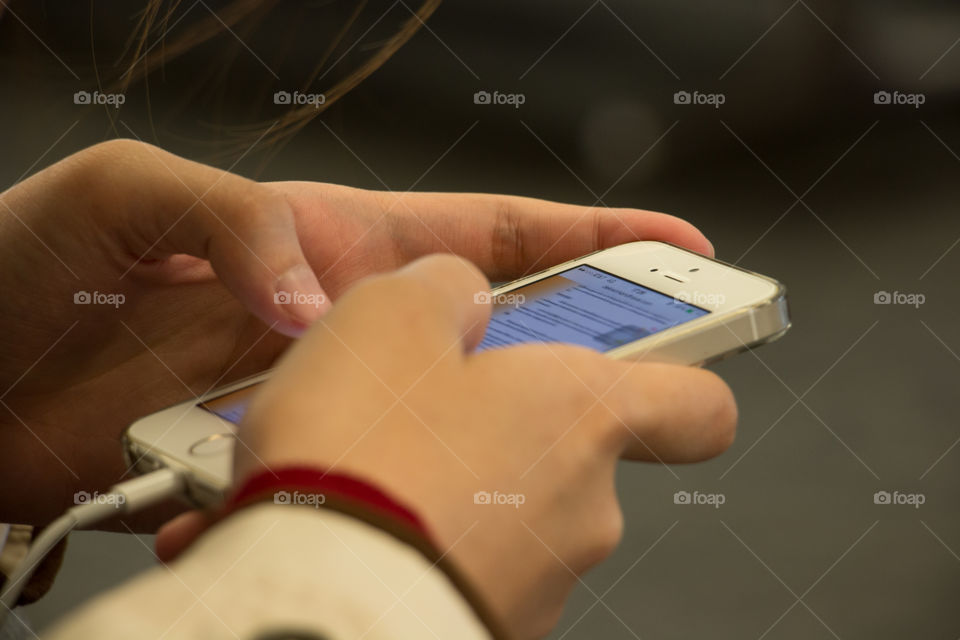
640 411
438 300
179 533
165 205
670 413
383 337
509 236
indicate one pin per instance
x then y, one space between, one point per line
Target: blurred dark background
803 172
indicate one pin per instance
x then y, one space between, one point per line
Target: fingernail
300 296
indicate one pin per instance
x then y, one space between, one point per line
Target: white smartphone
640 301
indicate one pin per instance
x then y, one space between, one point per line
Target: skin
386 387
198 255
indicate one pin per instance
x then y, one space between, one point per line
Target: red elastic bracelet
358 498
333 486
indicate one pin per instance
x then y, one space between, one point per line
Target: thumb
167 205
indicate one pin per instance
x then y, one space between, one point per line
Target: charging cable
122 499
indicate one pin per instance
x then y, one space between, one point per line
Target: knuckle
607 533
612 533
506 240
92 175
92 165
116 148
597 217
110 161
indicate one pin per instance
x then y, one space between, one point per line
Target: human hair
155 19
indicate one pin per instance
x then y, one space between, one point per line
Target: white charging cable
124 498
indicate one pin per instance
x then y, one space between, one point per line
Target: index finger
511 236
645 411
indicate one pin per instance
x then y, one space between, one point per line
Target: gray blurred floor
858 398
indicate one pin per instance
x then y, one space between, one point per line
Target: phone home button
212 445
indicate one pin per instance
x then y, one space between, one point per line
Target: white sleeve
274 567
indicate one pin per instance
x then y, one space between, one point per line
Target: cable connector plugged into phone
122 499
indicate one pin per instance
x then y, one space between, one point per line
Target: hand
385 387
198 256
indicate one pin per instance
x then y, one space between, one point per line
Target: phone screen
583 305
231 406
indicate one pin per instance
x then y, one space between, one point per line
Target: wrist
304 486
319 488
